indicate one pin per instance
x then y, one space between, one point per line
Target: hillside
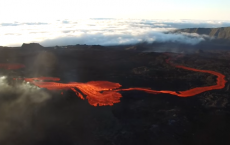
219 33
31 46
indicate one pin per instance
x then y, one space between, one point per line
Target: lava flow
11 66
104 93
191 92
98 92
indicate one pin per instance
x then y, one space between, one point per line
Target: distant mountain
222 33
31 46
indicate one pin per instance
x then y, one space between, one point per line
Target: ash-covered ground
33 116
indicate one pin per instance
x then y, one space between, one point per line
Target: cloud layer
101 31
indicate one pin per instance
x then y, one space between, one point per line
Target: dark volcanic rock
140 70
136 48
131 48
199 51
97 47
140 118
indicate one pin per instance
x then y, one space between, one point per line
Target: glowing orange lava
41 79
98 92
11 66
191 92
104 93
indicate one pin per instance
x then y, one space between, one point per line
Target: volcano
109 96
103 95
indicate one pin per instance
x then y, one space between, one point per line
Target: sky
45 10
107 22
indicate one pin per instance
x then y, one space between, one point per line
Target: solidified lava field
148 97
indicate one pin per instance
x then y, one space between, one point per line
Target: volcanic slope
219 33
139 117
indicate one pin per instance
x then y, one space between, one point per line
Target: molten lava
104 93
11 66
97 92
42 79
191 92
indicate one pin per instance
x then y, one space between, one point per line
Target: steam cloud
101 31
17 106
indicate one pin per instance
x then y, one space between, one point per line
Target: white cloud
100 31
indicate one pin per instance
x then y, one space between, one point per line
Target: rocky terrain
140 118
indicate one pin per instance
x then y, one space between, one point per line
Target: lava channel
191 92
104 93
100 93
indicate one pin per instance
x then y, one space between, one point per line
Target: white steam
27 91
17 106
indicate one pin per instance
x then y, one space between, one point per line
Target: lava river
104 93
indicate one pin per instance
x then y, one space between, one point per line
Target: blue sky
45 10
